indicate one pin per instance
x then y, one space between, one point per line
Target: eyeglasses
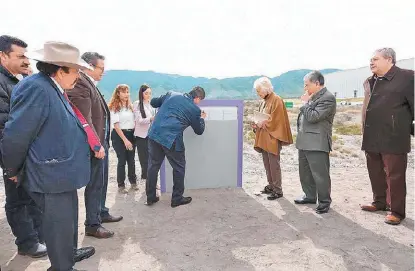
100 68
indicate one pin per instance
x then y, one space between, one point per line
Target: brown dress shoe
371 208
99 232
392 219
110 218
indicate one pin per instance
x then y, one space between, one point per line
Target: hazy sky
219 38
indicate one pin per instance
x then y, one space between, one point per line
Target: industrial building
349 83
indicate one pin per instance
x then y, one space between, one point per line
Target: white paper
220 113
258 116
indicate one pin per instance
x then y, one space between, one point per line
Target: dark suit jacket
388 112
315 122
87 98
176 112
44 140
7 83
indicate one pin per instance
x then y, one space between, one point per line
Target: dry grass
348 129
294 110
250 136
349 109
294 138
344 150
334 154
293 121
350 100
342 117
336 140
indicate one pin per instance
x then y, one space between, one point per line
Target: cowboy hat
60 54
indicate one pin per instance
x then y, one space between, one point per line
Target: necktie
93 139
67 98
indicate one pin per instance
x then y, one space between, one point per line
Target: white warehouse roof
345 83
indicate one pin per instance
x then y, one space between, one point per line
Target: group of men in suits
55 139
387 125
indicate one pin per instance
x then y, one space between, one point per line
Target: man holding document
272 131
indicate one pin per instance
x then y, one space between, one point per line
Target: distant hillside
289 84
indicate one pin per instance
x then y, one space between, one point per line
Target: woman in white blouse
122 136
144 115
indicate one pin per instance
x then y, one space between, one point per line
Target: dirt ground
237 229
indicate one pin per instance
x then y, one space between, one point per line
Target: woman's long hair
116 103
143 88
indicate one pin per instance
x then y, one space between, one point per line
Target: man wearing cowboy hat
45 143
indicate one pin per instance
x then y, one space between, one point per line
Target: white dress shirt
90 78
56 83
125 118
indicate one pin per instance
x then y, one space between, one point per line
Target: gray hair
92 57
264 84
314 77
387 53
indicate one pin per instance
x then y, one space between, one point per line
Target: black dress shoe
267 190
110 218
73 269
183 201
151 202
83 253
275 196
304 201
322 208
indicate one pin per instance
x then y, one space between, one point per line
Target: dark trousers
60 223
142 151
23 216
314 168
387 173
177 160
124 156
105 210
93 193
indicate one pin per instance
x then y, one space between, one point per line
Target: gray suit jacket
315 122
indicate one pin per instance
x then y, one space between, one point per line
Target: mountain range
287 85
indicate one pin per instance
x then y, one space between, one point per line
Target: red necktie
66 96
93 139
